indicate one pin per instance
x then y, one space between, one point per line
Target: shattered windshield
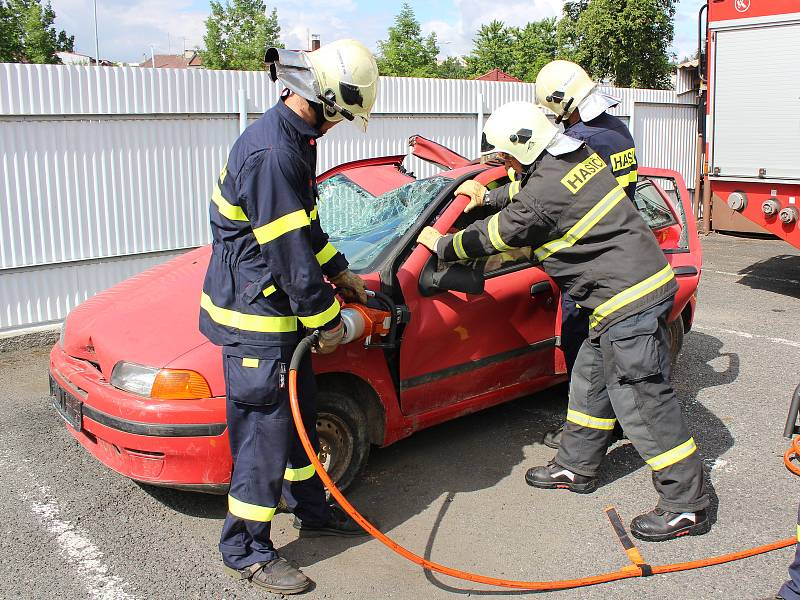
361 225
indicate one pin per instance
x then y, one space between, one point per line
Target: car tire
343 436
675 331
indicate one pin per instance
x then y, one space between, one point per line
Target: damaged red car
142 390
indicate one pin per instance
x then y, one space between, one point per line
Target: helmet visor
294 71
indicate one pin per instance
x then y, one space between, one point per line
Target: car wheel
675 337
343 439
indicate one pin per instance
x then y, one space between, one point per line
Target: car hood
150 319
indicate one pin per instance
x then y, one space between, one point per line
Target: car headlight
162 384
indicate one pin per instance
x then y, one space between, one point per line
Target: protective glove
429 237
329 340
475 191
351 286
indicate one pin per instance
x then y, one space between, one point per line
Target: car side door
476 349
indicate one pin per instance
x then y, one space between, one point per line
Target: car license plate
68 406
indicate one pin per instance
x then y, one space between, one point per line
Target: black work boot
555 477
659 525
278 576
339 524
552 438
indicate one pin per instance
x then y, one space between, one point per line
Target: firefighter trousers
268 458
574 330
791 589
625 374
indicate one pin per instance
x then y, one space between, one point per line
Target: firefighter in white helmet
265 284
592 241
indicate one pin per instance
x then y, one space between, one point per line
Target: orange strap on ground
792 456
626 572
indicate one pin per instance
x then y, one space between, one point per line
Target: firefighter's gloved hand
351 286
429 237
329 340
476 192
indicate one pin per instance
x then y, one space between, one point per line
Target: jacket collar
296 121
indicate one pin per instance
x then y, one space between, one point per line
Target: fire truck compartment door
756 102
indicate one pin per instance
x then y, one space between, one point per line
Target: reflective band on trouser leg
633 293
275 229
225 208
458 246
269 290
300 474
251 512
670 457
585 420
320 319
237 320
583 226
327 253
494 234
798 533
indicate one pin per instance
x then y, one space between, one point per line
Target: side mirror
455 277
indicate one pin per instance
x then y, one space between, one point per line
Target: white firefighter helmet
561 86
520 129
342 76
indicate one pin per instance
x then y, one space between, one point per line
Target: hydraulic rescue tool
364 323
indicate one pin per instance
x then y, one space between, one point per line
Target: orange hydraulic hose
793 454
626 572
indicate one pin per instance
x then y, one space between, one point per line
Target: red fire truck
751 65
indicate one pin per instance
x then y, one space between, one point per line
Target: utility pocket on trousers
255 381
635 349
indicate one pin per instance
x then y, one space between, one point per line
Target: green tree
567 35
238 34
65 43
627 41
451 67
492 49
27 33
533 46
407 53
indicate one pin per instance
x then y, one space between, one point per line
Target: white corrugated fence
107 171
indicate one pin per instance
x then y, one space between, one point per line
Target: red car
143 390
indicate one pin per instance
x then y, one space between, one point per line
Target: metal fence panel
102 167
666 137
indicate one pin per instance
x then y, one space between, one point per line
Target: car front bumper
180 443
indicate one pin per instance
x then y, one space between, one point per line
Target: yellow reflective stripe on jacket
300 474
269 290
458 246
632 294
513 189
312 216
320 319
583 226
670 457
247 322
494 234
798 533
223 173
327 253
282 225
585 420
251 512
628 178
225 208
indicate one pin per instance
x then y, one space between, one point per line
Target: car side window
497 264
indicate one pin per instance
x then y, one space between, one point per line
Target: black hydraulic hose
791 421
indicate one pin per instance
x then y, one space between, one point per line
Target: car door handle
541 287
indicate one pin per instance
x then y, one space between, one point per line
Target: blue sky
129 28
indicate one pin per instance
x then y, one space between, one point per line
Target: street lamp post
96 40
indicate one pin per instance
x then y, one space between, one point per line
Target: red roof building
498 75
188 60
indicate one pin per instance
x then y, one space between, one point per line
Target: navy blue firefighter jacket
608 136
264 281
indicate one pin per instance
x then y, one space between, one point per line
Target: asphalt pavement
455 493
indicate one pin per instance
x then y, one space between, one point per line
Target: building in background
189 59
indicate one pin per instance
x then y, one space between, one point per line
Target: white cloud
127 29
455 37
